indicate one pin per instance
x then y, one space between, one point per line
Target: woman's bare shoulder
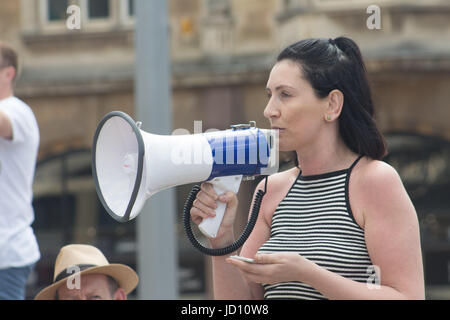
278 185
279 180
376 174
379 185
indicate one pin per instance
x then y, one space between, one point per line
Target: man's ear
120 294
11 73
335 104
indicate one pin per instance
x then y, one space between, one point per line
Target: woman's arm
392 236
228 282
392 230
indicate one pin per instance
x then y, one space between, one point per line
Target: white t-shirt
18 245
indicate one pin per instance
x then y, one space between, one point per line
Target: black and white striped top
315 220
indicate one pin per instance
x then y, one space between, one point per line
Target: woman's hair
329 64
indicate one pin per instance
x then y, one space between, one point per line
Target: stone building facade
221 54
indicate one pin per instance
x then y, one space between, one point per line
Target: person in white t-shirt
19 142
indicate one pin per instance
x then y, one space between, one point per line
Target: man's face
2 73
92 287
7 74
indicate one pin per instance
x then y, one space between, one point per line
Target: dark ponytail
330 64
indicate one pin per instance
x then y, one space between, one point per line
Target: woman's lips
278 129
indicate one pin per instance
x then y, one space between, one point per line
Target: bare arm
392 238
5 126
228 281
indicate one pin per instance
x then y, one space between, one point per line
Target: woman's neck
331 155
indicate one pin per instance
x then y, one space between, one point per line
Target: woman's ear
335 104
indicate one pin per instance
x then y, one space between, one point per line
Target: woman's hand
275 267
204 207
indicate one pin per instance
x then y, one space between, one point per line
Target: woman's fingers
198 215
207 209
204 205
209 190
206 200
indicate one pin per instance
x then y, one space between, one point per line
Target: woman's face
293 107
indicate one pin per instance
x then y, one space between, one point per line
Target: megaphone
130 165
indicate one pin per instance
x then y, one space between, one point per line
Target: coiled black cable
239 242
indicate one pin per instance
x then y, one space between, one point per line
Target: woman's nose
271 111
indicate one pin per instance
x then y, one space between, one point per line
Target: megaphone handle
210 226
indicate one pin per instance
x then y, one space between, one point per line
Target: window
56 9
98 9
98 13
127 11
295 4
218 7
131 7
54 13
94 15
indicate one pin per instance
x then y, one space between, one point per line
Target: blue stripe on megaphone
238 152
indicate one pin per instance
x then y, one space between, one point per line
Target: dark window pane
98 9
57 9
131 7
220 7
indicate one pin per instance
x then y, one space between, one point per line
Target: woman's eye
285 94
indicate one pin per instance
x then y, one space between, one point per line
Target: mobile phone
249 260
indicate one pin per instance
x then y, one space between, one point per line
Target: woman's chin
285 147
282 148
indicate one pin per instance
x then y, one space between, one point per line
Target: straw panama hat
89 260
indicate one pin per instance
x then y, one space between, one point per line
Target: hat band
71 270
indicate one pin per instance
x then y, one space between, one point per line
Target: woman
340 224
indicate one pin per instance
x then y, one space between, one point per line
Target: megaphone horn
118 159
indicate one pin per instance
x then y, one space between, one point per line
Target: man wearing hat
83 273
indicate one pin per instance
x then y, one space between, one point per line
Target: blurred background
221 53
